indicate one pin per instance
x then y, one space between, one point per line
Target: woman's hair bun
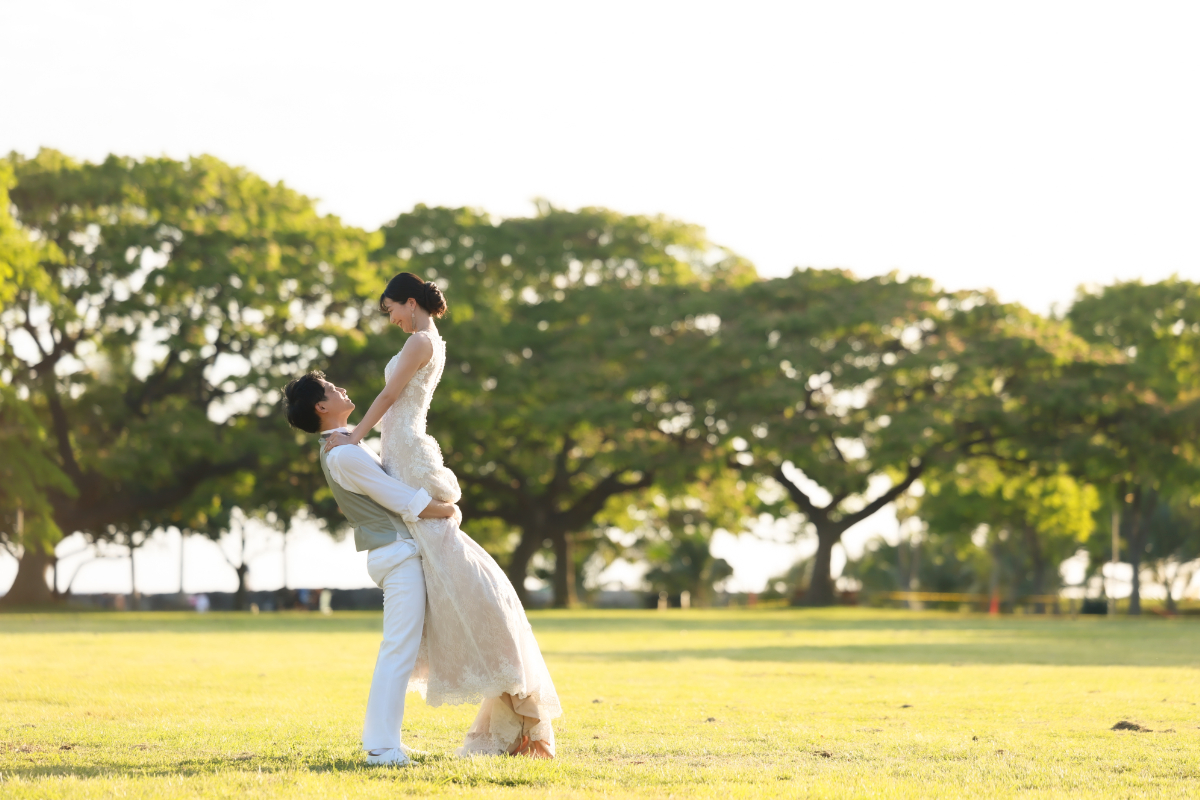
434 301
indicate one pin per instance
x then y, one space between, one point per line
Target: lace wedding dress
477 644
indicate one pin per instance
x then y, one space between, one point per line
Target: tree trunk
829 532
564 572
1039 582
133 592
239 597
518 562
543 523
1135 560
994 580
820 588
30 587
1169 583
1039 566
914 572
1135 593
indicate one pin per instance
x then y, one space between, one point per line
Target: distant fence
993 603
279 600
372 599
368 599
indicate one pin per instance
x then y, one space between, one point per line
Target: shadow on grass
429 768
1047 651
190 622
1003 640
188 768
832 619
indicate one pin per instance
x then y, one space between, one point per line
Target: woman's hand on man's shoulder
337 440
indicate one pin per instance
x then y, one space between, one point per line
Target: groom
377 506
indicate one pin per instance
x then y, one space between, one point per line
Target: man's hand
438 510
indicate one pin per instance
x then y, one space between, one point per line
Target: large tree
846 391
1137 416
542 410
172 299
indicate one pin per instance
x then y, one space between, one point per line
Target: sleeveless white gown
477 644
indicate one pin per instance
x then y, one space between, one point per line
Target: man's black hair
301 396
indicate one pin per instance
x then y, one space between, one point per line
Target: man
376 505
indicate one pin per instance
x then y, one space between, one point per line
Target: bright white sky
1029 147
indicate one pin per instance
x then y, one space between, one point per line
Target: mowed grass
689 704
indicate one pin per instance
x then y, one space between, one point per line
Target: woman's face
399 314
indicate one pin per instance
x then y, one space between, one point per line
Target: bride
477 644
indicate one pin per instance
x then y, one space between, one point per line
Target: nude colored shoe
392 757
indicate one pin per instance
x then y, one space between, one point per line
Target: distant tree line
616 386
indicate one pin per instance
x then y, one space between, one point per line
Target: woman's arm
415 354
437 510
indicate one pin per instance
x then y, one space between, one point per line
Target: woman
477 644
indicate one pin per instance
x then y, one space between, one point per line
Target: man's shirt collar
342 429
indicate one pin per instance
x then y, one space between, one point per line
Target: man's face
336 403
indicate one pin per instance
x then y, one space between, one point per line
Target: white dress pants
395 568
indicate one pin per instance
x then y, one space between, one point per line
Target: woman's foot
534 748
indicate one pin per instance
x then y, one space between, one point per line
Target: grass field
689 704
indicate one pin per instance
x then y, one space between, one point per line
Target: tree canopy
1137 414
169 301
604 370
845 392
546 409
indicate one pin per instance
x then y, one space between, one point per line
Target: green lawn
689 704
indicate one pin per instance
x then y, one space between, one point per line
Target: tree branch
150 387
836 449
165 498
33 334
62 433
64 344
561 479
513 514
518 476
914 472
802 500
590 504
586 461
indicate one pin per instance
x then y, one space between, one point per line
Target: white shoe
411 751
393 756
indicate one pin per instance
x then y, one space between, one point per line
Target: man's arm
355 469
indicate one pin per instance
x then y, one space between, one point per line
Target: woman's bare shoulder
419 344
